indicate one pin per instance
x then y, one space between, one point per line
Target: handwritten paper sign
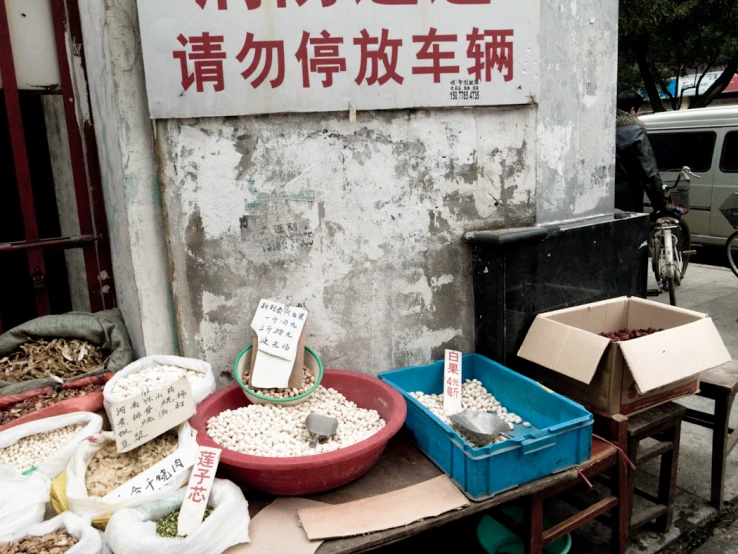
198 490
144 417
158 475
278 328
452 383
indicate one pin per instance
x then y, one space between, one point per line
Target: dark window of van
675 150
729 158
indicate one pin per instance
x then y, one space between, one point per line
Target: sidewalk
714 291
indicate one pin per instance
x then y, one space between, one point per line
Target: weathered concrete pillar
129 173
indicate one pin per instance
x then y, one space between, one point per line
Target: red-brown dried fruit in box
628 334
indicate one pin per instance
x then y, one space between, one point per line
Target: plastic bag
56 463
90 402
134 531
200 392
178 465
90 541
23 500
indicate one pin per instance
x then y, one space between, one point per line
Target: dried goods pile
30 405
153 378
41 359
167 526
279 431
628 334
308 380
108 470
473 397
57 542
31 451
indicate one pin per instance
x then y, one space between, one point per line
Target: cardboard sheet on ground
386 511
276 530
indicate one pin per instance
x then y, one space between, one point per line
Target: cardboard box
625 377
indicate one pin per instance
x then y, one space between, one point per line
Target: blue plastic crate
560 435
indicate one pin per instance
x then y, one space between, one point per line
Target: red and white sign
452 383
235 57
198 490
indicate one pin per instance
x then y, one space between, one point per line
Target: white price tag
452 383
198 490
279 327
144 417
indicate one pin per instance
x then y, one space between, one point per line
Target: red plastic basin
308 474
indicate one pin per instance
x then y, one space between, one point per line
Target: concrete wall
129 173
360 221
575 131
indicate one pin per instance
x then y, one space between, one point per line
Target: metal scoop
483 427
321 427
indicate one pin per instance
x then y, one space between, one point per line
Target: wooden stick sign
198 490
278 355
452 383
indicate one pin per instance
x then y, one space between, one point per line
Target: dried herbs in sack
99 481
46 445
64 534
158 371
54 349
137 531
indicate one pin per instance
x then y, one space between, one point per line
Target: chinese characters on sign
144 417
278 329
198 490
220 57
452 383
158 475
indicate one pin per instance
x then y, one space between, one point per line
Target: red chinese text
207 56
325 59
453 356
453 392
453 368
490 49
201 474
206 459
270 49
431 50
385 54
197 494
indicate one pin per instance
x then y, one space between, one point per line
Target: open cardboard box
626 377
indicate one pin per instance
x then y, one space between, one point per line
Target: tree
660 39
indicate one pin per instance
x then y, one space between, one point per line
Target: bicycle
729 209
670 238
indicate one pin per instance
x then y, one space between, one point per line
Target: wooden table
403 465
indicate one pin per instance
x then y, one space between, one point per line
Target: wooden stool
663 423
604 457
719 384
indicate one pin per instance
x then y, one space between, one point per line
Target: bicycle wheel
731 249
672 290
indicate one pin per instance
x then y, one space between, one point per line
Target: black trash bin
519 273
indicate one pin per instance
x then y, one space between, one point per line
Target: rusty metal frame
93 238
36 262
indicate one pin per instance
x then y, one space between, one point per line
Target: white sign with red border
452 383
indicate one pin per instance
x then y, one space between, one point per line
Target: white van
706 140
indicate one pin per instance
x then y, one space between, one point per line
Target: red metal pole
76 151
93 168
36 264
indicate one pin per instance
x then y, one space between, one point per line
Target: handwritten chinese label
198 490
158 475
279 327
144 417
452 383
234 57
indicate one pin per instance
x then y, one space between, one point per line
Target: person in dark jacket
636 170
